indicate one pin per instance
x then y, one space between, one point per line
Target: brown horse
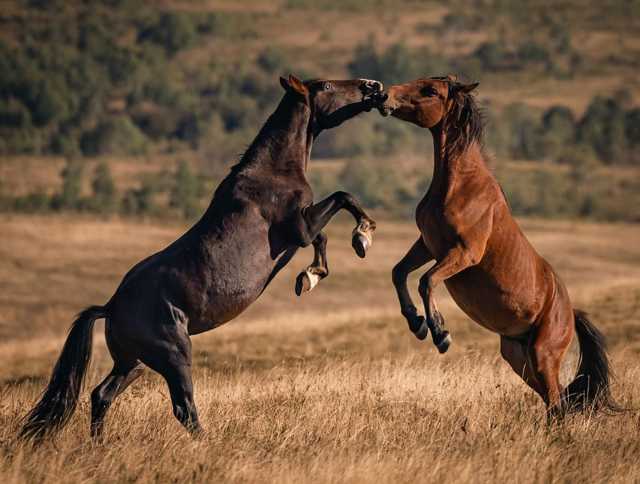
487 264
261 213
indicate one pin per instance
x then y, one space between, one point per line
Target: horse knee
398 274
344 198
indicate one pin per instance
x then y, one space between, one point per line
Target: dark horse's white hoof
360 245
443 346
361 240
306 281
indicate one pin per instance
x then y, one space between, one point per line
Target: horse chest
437 231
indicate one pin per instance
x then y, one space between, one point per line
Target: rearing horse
489 267
261 213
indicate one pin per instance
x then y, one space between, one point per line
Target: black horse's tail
59 400
590 390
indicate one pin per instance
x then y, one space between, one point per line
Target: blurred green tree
69 196
185 193
104 190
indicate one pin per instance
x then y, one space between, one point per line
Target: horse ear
285 84
297 85
293 84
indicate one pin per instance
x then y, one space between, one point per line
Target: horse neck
452 169
282 146
284 142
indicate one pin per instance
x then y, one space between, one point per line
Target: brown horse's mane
464 122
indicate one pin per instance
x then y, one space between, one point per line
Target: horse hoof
306 281
422 331
443 346
360 244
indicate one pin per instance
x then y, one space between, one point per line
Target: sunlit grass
330 387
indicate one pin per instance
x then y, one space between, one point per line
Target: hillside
140 88
127 77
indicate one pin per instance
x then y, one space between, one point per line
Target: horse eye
327 86
429 91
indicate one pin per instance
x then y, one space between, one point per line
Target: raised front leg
319 268
417 256
312 219
455 261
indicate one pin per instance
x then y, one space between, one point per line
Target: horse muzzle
371 90
385 107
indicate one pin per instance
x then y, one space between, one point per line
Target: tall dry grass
330 387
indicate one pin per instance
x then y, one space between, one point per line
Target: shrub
173 30
577 156
139 201
104 190
69 197
115 136
492 55
603 128
558 124
365 62
156 123
525 135
376 185
14 114
35 202
396 64
632 130
273 60
185 193
531 52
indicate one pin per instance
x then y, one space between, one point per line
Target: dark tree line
103 78
180 193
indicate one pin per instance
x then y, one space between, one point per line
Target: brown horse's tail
590 390
59 400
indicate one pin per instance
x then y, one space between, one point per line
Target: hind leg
178 378
520 358
175 368
170 355
551 344
319 268
121 376
539 364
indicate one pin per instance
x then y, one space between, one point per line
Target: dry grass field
330 387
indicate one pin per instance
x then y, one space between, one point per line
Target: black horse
260 215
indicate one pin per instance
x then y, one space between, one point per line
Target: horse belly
232 289
492 305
